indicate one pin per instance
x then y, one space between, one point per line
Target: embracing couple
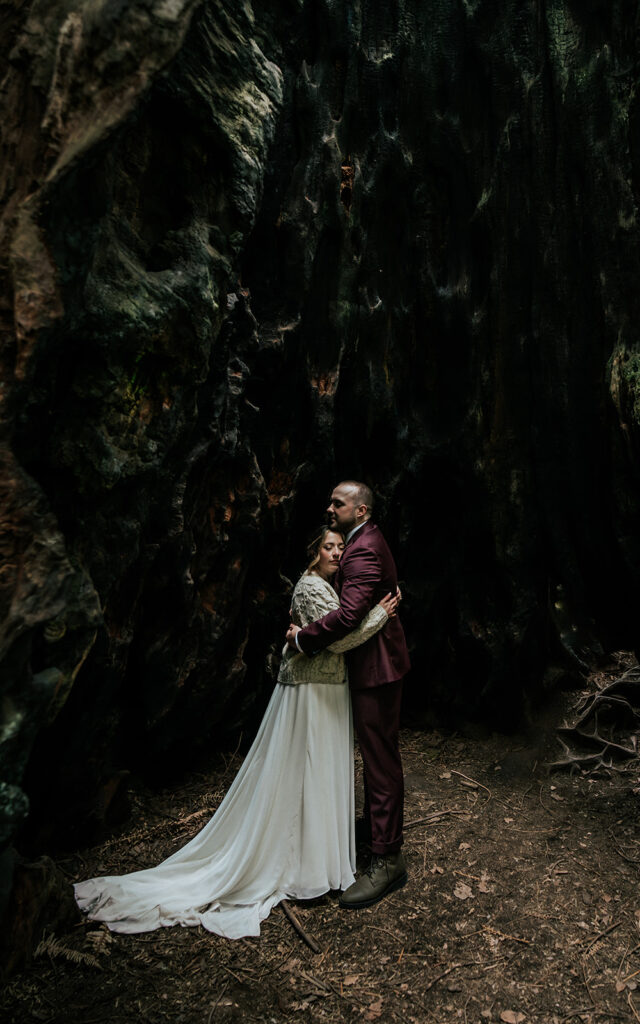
286 827
337 600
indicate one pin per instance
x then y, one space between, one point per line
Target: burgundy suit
367 572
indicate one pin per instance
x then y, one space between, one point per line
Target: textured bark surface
253 250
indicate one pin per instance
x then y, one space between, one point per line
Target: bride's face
330 551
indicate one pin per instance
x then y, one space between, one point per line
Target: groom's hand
291 636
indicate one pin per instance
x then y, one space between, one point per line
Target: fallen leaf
437 870
512 1017
445 775
508 821
375 1010
351 979
463 891
482 885
464 846
556 796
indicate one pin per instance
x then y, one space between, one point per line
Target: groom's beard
343 528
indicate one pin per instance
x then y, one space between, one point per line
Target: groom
367 572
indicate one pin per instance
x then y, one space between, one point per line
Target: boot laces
377 861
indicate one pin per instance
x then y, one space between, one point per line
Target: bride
286 826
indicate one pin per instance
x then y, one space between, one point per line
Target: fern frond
50 946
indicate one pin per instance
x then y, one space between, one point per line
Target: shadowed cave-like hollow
250 250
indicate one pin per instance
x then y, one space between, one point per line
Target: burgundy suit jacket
367 572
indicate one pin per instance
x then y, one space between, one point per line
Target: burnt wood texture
249 251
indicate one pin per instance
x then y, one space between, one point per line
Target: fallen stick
454 967
505 935
323 986
433 817
474 781
611 927
215 1005
311 943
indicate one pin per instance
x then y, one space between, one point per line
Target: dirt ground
522 905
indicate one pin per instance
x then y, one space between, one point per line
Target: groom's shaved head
350 505
361 494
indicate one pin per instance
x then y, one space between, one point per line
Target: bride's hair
314 545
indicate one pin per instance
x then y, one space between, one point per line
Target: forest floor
522 906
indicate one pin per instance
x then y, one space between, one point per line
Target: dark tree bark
250 251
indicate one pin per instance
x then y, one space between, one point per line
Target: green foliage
630 371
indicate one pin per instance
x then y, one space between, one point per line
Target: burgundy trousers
376 717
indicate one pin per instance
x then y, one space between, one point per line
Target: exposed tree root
607 730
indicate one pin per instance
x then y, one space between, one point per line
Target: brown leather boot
384 875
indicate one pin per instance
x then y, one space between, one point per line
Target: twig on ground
432 817
593 1012
601 935
215 1005
474 878
505 935
621 964
323 957
322 985
586 981
464 1010
629 860
474 781
544 806
586 867
443 974
232 973
377 928
351 1000
492 967
278 967
311 943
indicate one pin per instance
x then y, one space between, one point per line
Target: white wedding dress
285 827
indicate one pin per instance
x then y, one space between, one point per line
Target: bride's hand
291 636
390 604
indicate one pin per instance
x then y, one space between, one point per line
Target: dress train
285 828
